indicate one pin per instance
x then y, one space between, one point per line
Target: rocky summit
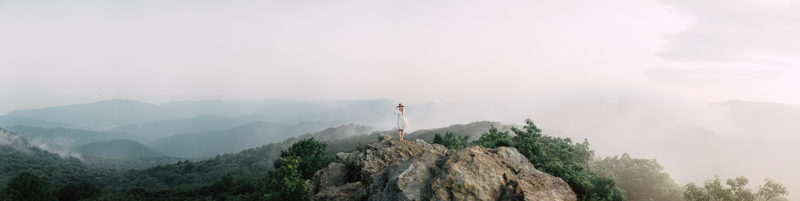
415 170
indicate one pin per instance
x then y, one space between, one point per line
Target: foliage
561 158
494 139
310 153
360 146
28 187
695 193
234 176
642 179
288 184
451 140
182 180
116 149
771 189
79 191
22 157
600 186
736 190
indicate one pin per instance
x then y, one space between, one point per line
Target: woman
402 120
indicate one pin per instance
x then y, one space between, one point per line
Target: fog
58 146
706 87
13 141
692 140
57 52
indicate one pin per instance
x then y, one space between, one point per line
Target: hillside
473 130
116 149
62 139
255 161
249 162
245 170
19 155
209 144
205 123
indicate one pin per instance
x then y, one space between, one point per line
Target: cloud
59 145
19 143
14 141
704 75
738 30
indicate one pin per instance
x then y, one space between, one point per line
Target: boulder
415 170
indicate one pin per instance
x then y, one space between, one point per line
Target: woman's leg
400 133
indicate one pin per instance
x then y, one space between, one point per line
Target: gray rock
331 176
343 158
407 180
416 170
347 192
383 137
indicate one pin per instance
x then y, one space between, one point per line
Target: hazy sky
443 50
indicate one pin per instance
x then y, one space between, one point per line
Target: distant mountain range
209 144
9 121
99 115
190 128
109 114
205 123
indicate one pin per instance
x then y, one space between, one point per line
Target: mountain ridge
254 134
117 149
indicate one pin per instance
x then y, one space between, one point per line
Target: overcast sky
443 50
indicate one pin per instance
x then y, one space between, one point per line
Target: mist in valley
705 88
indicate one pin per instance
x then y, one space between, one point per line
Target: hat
401 105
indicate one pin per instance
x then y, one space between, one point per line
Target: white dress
402 120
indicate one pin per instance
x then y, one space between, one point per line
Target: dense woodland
30 173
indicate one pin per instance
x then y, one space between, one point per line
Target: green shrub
287 183
451 140
561 158
28 187
78 191
736 190
494 139
642 179
310 153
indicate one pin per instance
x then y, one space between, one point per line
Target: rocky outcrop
415 170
